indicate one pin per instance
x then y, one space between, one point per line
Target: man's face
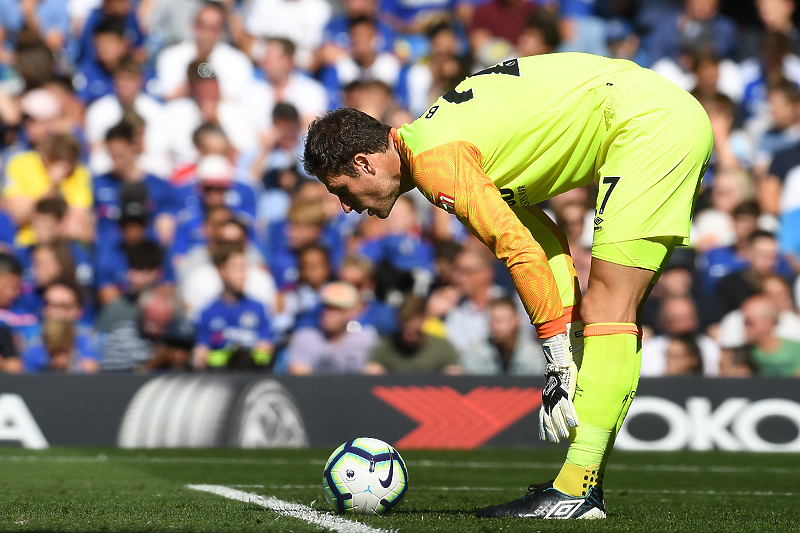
60 303
9 289
314 268
111 47
234 273
503 323
123 155
46 227
208 27
127 86
375 190
333 320
763 255
759 320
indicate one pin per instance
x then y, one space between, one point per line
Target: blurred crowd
155 214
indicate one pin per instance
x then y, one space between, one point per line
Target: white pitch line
294 510
413 464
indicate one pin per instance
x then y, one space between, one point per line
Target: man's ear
363 162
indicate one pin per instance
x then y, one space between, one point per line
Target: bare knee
604 306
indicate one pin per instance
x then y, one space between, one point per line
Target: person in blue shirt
114 261
234 331
14 312
161 204
64 344
94 75
121 9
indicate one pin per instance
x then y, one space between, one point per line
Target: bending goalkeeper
514 135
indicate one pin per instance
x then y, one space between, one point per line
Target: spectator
124 346
56 170
359 272
411 350
422 82
774 16
93 77
160 206
285 83
48 228
301 22
507 350
193 247
204 103
9 358
48 19
701 71
48 262
772 355
698 23
624 43
571 218
128 96
499 20
714 227
54 351
336 37
213 184
540 35
778 290
202 283
14 313
173 352
233 68
233 323
364 62
340 345
60 351
281 145
113 260
111 9
274 202
298 304
783 99
733 148
683 357
678 318
762 260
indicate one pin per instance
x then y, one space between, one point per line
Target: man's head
10 276
760 318
42 114
305 225
210 139
123 148
209 25
504 321
314 265
110 43
47 220
411 315
286 122
473 272
745 220
128 81
540 35
203 85
144 265
215 174
762 253
50 262
232 268
340 302
783 97
358 271
678 315
278 61
683 357
133 212
362 38
61 155
354 155
62 301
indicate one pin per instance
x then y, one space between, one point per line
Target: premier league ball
364 476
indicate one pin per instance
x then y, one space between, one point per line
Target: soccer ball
364 476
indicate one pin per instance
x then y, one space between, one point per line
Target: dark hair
314 247
361 19
689 341
786 87
503 301
224 253
284 111
749 208
110 25
70 285
212 4
62 147
128 65
205 128
55 207
63 256
412 306
287 47
122 131
547 26
9 264
335 138
145 255
760 234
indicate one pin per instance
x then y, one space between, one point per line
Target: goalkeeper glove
557 414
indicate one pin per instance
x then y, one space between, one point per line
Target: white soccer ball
364 476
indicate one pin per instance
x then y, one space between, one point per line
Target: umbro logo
564 509
447 202
597 222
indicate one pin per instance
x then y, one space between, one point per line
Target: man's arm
451 177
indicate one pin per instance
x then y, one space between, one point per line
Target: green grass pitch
65 489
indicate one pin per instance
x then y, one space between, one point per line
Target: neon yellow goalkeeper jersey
535 120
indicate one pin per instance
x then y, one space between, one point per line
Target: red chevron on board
449 419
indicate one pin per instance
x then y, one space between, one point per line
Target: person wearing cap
161 204
214 183
233 325
340 345
53 171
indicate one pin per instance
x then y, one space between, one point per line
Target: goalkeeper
514 135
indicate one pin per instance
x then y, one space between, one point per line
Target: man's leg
609 372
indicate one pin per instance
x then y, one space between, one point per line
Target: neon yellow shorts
650 162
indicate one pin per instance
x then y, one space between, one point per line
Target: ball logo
350 474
